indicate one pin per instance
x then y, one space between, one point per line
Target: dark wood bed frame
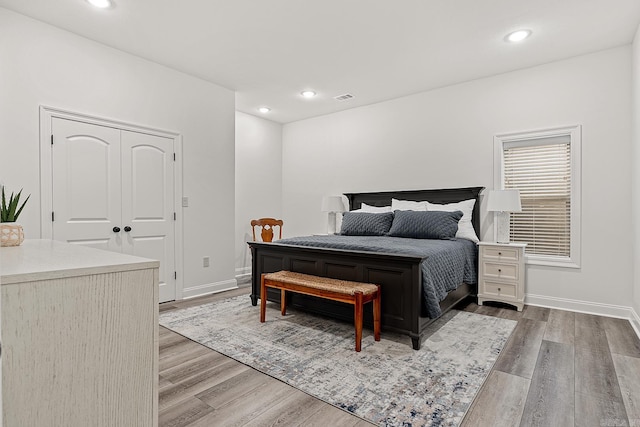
400 276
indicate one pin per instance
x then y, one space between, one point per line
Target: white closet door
86 184
147 203
114 190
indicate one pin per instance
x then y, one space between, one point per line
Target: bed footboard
399 276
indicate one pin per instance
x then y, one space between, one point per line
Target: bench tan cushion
324 283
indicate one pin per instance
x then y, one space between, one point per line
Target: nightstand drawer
499 289
500 271
501 253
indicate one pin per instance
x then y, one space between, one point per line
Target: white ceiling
268 51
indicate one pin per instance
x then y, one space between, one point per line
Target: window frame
575 135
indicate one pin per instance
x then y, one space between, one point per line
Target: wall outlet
205 261
185 202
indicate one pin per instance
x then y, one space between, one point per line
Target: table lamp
332 205
503 202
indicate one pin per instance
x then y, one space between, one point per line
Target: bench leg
357 315
263 299
283 302
377 311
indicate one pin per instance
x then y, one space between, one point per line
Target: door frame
47 114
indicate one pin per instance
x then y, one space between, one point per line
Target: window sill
550 261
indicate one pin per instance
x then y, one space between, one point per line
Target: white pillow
373 209
465 228
407 205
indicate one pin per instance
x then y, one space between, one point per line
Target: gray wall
444 138
635 167
43 65
258 180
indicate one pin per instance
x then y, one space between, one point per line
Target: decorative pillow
425 225
366 223
465 227
407 205
373 209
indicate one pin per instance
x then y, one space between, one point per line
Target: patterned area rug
387 383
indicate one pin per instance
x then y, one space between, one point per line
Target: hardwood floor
559 368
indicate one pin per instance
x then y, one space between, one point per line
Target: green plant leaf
13 204
9 212
3 209
21 207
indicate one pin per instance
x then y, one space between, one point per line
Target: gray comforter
446 263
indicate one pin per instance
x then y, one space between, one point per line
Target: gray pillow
425 225
366 224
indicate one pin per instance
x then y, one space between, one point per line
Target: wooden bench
354 293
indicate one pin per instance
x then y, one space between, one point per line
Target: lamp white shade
504 201
332 204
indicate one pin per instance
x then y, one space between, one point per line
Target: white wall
635 161
258 180
43 65
444 138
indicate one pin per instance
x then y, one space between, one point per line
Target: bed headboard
441 196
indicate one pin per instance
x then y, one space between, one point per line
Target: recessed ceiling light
102 4
264 110
518 36
308 93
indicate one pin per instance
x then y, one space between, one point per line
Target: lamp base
502 227
331 223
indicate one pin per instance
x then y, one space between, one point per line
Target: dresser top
50 259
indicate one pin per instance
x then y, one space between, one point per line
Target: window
545 167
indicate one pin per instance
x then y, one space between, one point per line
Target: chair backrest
267 225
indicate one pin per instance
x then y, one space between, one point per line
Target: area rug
387 383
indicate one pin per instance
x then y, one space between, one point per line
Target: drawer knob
499 271
499 289
499 253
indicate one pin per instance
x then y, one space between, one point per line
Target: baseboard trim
243 277
209 288
600 309
243 272
635 321
587 307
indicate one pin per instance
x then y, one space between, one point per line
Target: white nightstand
501 273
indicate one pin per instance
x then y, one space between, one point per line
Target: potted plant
11 233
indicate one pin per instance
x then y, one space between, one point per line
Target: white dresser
501 273
79 336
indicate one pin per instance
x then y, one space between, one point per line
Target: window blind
541 170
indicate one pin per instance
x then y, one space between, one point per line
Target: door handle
116 229
127 228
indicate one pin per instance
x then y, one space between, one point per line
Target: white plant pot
11 234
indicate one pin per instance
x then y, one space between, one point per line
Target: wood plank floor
559 368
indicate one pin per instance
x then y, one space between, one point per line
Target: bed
401 271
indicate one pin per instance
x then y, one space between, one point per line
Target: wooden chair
267 225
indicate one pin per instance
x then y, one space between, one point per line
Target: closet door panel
86 184
147 203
